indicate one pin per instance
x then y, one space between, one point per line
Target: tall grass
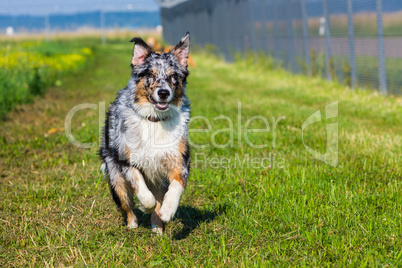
28 68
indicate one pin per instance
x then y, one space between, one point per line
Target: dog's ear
182 49
140 51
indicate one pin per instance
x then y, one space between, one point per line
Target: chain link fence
356 42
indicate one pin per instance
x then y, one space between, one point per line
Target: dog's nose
163 93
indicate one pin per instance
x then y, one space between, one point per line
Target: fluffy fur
145 148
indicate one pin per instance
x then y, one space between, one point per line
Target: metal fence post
221 32
102 25
306 36
237 27
292 65
381 53
264 35
252 21
351 36
276 34
230 29
244 29
327 42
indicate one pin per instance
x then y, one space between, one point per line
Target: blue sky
41 7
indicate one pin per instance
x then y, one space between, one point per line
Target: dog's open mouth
161 106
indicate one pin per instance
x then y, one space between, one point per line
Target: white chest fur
153 146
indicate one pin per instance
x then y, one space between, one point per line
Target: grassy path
56 208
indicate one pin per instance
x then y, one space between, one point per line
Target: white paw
132 225
166 213
171 201
148 202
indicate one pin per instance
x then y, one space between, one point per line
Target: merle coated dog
145 141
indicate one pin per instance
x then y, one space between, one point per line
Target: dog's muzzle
162 99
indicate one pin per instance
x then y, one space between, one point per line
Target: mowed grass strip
243 206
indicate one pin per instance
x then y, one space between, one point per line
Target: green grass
56 208
27 68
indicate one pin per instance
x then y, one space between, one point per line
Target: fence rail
357 42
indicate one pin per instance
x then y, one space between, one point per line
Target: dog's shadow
191 217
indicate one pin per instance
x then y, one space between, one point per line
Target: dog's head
159 78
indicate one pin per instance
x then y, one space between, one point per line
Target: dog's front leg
144 195
178 180
171 201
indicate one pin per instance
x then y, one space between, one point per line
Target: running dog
145 146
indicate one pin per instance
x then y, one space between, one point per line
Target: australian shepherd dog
145 139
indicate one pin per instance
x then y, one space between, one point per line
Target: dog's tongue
161 105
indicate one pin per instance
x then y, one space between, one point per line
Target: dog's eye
152 76
173 78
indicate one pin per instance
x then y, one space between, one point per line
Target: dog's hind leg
144 195
122 193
